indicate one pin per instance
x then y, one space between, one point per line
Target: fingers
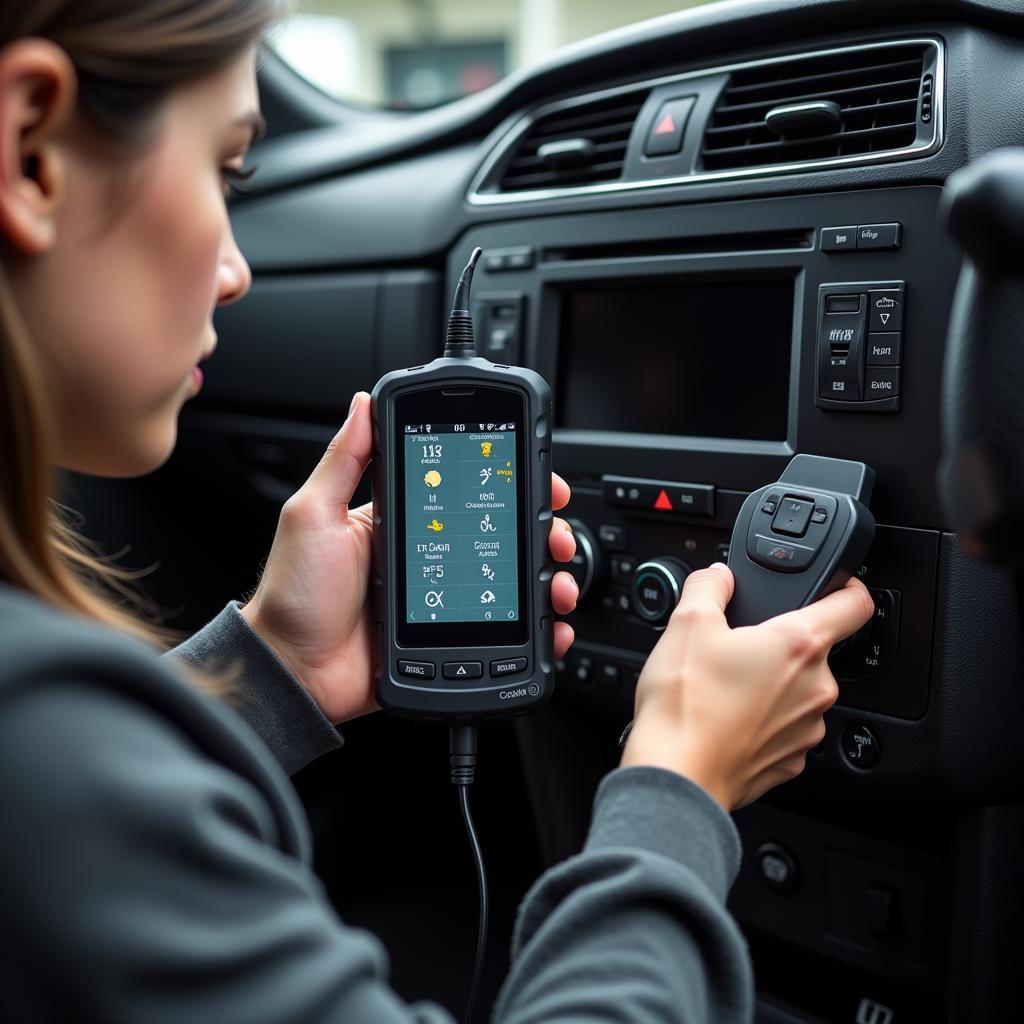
564 593
705 594
834 617
560 492
564 637
561 540
336 476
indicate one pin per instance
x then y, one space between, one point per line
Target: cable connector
460 342
462 754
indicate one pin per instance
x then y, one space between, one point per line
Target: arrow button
462 669
885 310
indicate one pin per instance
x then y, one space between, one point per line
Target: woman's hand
311 605
736 710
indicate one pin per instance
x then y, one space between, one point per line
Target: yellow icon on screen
485 448
432 479
506 472
435 526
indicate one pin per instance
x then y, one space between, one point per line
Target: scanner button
462 669
776 554
792 517
418 669
509 667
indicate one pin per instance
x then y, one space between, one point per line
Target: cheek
183 232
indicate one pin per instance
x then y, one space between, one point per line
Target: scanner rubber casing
448 700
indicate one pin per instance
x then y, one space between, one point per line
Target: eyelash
233 179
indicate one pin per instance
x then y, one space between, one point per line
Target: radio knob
587 565
657 587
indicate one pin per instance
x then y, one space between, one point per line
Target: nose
234 278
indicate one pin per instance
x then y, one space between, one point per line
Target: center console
692 351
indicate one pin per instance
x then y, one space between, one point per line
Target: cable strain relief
459 340
463 774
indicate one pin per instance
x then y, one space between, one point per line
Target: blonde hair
128 55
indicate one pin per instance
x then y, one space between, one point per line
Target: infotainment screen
704 359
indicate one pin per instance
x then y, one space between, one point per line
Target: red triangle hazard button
665 126
662 501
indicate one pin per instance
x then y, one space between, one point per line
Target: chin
120 464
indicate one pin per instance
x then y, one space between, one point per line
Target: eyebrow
254 120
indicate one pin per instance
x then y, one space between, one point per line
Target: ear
37 98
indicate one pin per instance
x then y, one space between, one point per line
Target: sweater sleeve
273 703
634 928
143 882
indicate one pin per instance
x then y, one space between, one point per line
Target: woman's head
121 124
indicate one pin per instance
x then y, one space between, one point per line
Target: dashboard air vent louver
574 145
814 108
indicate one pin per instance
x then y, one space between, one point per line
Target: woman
155 864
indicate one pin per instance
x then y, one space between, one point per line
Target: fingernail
355 398
718 565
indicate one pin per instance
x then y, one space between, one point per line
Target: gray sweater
155 860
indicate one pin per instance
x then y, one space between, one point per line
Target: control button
819 515
722 550
494 260
694 499
462 669
659 495
793 516
881 382
778 555
842 303
623 567
509 667
885 310
666 134
838 239
519 259
860 745
778 867
771 504
612 537
609 673
617 601
842 331
839 380
657 587
879 236
417 669
885 349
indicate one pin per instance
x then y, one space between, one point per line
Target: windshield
412 54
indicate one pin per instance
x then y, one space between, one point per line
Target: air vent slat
876 89
904 84
606 122
901 109
787 86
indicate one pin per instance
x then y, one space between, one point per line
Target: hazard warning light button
665 135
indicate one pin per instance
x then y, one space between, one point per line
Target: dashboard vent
574 145
837 104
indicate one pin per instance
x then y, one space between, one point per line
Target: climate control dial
657 587
587 565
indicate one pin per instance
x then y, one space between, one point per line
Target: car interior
724 236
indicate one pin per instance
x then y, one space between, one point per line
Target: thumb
337 474
706 592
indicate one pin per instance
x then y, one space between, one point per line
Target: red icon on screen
662 501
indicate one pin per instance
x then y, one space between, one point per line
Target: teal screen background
460 523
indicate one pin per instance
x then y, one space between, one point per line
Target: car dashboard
717 236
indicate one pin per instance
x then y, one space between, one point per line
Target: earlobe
37 94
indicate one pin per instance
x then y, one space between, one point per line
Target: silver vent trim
477 198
